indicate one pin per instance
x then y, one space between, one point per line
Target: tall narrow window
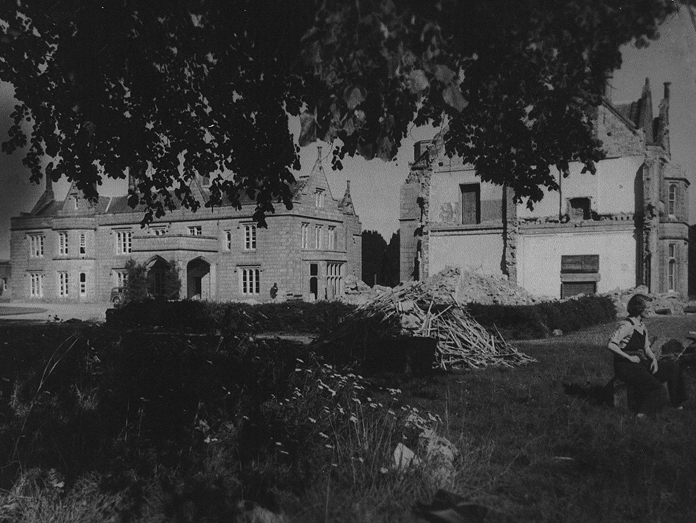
63 243
36 285
83 244
83 284
332 239
672 200
123 242
672 268
36 246
334 280
228 240
471 204
305 236
318 229
319 199
63 284
249 237
251 281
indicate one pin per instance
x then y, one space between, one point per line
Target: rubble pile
428 309
357 292
662 303
471 287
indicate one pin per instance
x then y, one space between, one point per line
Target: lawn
103 425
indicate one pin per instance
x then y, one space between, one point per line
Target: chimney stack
667 87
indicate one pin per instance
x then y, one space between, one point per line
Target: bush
540 320
201 316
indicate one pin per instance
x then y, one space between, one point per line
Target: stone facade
71 251
626 225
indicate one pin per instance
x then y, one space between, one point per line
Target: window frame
195 230
36 245
304 236
672 200
82 280
124 241
474 188
250 239
250 281
63 243
319 198
63 284
331 241
36 285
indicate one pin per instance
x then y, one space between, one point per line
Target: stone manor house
71 251
627 225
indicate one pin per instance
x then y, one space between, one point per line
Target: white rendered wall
480 252
612 188
539 259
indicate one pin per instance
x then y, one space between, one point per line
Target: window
196 230
121 278
672 272
579 274
228 241
62 284
83 244
251 284
305 236
249 237
158 230
579 209
83 284
36 246
123 242
318 229
672 200
333 280
332 239
319 199
63 243
471 204
36 289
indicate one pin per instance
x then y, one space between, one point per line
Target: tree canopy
166 90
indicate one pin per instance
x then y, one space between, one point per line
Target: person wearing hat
636 364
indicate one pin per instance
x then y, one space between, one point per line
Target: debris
427 309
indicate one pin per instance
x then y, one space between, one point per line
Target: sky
375 184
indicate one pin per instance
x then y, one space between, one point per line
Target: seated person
635 363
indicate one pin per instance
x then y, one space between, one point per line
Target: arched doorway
156 276
198 279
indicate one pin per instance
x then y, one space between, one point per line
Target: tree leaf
417 81
354 96
453 97
444 74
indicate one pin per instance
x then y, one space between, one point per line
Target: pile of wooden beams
417 309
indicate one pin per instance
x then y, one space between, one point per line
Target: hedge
540 320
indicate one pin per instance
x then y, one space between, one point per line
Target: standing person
274 291
636 364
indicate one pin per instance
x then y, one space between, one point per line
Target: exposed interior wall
611 190
480 252
446 203
539 258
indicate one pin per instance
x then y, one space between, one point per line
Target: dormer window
672 200
319 199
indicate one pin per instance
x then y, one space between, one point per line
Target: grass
151 427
